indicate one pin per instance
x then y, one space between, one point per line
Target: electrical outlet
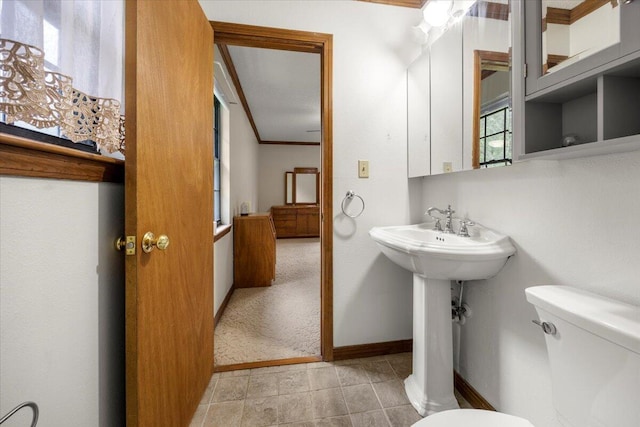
363 168
447 167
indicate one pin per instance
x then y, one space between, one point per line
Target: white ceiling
282 89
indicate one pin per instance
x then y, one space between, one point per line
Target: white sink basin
437 255
436 258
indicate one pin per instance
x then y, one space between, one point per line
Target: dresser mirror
302 186
575 29
465 121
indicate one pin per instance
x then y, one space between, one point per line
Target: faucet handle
464 231
437 226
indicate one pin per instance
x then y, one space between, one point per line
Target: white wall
240 177
372 48
275 160
223 270
61 301
239 147
243 164
574 222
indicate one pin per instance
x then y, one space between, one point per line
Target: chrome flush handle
548 327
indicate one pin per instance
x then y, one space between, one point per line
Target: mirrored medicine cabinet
459 115
581 92
574 90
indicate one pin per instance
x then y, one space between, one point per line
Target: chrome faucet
431 209
463 231
447 213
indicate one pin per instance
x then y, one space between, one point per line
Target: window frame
506 132
217 162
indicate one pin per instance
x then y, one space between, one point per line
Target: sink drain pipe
459 311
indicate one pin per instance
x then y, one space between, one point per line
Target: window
82 40
217 144
496 148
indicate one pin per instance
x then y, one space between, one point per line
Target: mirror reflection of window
575 29
487 83
492 135
496 148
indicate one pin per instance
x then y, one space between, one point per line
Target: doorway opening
238 35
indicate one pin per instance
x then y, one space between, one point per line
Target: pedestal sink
436 258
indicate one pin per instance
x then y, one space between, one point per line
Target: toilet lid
471 418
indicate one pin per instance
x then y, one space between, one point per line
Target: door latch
128 244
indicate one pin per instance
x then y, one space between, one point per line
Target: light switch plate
363 168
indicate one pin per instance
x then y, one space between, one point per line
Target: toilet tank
594 356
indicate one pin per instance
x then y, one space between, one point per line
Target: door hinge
128 244
526 69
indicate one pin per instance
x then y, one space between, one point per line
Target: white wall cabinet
434 84
418 117
448 93
446 102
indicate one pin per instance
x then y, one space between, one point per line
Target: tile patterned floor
358 392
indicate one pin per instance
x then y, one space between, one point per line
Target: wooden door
168 190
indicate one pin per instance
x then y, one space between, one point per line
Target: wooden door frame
322 44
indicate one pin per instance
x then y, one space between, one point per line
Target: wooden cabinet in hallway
254 250
296 220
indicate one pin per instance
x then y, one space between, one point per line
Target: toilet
472 418
582 331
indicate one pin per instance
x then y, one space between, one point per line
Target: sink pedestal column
430 386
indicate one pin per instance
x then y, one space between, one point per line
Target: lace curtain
69 56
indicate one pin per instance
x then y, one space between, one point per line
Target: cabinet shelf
604 111
617 145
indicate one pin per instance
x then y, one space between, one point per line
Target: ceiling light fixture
436 12
438 16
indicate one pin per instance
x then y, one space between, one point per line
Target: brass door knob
149 242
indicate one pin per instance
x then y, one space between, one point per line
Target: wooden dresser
254 250
296 220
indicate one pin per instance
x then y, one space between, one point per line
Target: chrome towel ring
32 405
350 195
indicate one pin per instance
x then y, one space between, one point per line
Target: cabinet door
446 102
630 27
418 118
308 222
621 21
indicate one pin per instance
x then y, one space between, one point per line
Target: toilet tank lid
612 320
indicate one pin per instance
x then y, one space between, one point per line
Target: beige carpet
276 322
